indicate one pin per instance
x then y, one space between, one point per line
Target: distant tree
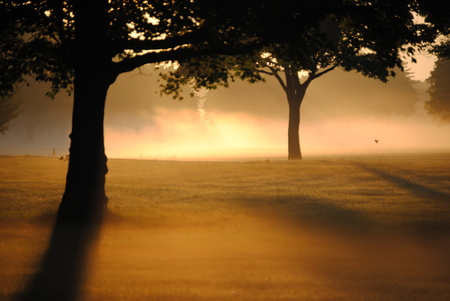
84 45
439 103
9 102
9 109
369 37
439 91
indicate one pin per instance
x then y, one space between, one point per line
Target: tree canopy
370 37
38 37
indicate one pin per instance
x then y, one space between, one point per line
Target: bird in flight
376 141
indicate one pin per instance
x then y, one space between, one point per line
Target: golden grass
334 228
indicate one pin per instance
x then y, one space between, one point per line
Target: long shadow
61 272
319 212
312 211
415 188
420 191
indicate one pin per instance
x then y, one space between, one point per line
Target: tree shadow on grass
416 189
61 271
319 213
327 213
424 193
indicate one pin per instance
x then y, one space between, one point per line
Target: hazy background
342 113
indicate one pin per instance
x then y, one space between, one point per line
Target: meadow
373 227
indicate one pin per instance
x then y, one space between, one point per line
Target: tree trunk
84 198
295 92
294 152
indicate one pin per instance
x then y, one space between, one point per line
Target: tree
439 103
439 91
83 45
369 37
9 103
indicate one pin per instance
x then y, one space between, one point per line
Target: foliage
371 37
38 37
9 44
41 35
439 103
208 72
439 18
35 42
435 14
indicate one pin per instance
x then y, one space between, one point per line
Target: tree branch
265 72
316 75
278 77
189 38
180 54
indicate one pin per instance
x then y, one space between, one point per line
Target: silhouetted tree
439 91
83 45
9 102
366 36
9 109
439 103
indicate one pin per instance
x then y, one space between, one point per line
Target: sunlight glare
184 135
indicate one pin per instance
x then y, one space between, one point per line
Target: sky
342 113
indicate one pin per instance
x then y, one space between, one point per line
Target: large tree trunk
84 198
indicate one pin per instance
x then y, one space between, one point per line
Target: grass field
332 228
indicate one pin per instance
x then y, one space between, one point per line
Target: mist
342 113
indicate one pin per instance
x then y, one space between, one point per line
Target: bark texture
84 199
